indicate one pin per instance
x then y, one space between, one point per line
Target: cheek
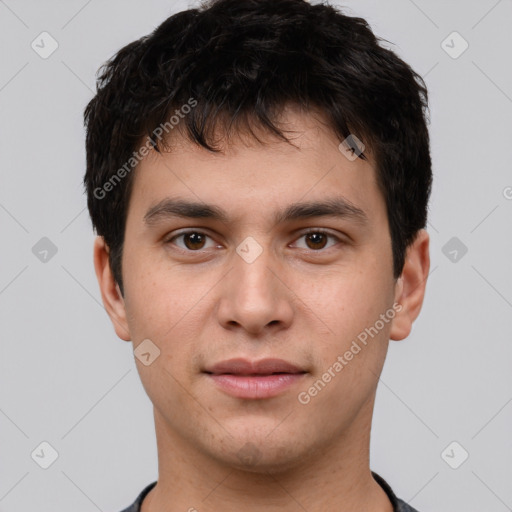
167 319
345 297
168 308
153 294
348 304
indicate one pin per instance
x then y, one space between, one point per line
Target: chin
259 455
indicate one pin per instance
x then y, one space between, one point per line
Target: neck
335 477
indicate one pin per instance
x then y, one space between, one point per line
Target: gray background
68 380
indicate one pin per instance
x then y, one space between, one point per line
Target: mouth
266 378
255 374
250 368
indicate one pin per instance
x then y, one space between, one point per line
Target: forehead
268 176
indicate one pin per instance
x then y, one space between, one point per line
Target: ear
410 286
110 292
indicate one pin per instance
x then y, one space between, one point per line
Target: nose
254 296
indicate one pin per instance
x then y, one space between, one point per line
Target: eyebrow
338 206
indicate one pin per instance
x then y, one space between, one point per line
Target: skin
301 300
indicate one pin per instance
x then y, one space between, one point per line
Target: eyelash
308 232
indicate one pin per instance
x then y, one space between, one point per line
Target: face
286 255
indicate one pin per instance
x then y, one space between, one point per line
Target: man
258 173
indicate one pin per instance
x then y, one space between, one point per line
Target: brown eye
316 240
191 241
194 240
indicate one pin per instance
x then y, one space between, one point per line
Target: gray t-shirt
398 504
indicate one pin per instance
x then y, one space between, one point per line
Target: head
242 107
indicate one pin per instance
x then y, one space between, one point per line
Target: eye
192 240
317 239
195 241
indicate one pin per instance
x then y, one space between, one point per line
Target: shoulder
398 504
135 506
401 506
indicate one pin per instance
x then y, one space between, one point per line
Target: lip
255 379
241 366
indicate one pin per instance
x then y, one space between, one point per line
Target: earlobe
110 292
410 286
